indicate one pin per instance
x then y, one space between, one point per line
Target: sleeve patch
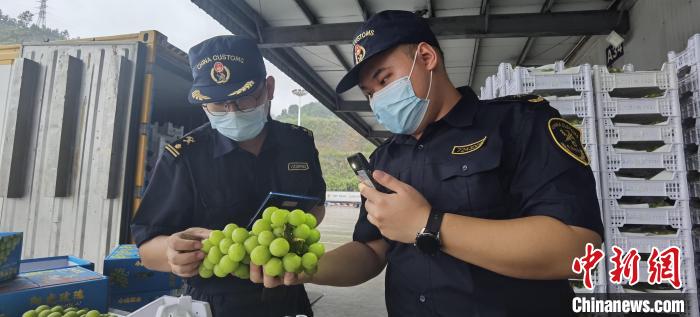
568 139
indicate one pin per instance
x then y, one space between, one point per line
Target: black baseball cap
381 32
225 68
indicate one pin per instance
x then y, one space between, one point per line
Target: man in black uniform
491 201
221 172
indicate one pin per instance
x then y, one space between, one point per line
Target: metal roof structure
310 40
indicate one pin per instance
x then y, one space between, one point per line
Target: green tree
21 30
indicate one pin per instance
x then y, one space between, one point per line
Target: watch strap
434 222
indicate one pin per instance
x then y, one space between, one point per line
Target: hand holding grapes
183 251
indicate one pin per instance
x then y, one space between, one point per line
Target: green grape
207 264
205 272
228 230
242 272
30 313
279 217
297 217
219 272
318 249
302 232
216 236
214 255
279 232
246 259
311 221
70 314
227 265
250 244
70 309
261 225
82 311
57 309
236 252
309 260
265 238
239 235
279 247
311 271
92 313
42 308
206 245
314 236
224 245
267 213
55 314
273 267
291 263
45 313
260 255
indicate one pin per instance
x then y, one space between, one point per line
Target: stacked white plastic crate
570 91
644 175
688 74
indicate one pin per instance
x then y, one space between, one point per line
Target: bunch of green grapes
59 311
7 245
282 241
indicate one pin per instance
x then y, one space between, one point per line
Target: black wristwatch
428 239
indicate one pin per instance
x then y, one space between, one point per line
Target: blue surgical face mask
397 107
240 126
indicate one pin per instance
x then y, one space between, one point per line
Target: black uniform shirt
206 180
499 159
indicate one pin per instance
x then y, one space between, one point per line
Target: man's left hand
399 216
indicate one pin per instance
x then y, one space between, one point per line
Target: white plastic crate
666 105
680 215
582 106
526 81
644 276
599 279
668 132
614 187
690 106
501 78
487 90
694 189
690 57
691 135
644 243
669 157
607 82
692 162
690 83
587 128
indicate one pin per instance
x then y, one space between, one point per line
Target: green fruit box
128 276
10 254
132 302
73 286
52 263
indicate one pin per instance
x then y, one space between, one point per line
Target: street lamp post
299 93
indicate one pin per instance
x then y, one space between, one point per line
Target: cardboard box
73 286
132 302
128 276
52 263
10 255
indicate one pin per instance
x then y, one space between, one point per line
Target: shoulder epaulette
305 130
175 149
519 98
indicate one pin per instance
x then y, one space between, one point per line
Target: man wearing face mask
491 201
220 173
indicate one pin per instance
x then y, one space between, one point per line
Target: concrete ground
365 300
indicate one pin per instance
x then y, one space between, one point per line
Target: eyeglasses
245 104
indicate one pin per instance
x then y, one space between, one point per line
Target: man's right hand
184 255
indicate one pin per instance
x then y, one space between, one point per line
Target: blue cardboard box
132 302
52 263
10 254
128 276
73 286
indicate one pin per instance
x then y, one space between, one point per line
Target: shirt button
421 299
420 146
465 168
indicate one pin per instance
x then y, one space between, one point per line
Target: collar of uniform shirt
462 115
224 145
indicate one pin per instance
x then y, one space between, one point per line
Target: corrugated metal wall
656 27
65 123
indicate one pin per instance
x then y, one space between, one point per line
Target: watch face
428 243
